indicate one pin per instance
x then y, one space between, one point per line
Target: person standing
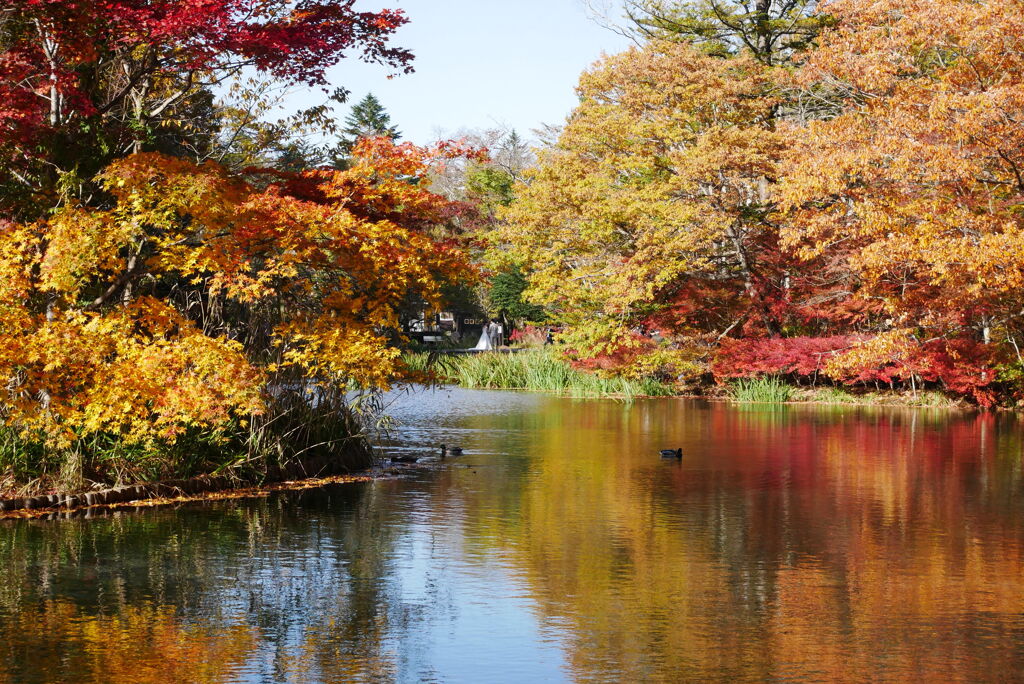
492 332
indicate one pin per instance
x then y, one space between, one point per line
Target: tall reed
535 370
300 434
764 390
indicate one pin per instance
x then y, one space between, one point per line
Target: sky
479 64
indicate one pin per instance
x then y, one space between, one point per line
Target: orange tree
919 181
200 302
857 196
652 210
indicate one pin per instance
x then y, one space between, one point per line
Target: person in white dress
485 343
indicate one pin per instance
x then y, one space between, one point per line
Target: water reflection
805 543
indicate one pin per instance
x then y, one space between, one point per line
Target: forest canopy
178 277
842 178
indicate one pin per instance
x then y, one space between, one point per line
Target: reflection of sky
470 618
426 418
476 617
420 405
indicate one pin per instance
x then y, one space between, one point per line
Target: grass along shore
545 371
539 371
773 390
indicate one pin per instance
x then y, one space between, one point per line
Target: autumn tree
835 188
84 83
652 209
199 301
917 184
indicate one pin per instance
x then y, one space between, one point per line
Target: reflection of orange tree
924 563
930 612
127 574
140 643
826 545
593 532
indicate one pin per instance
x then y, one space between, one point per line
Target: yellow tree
655 196
920 179
197 298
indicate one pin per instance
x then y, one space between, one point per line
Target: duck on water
672 453
445 451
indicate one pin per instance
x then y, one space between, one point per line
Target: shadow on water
806 543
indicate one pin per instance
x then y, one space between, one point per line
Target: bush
529 336
302 430
961 366
796 356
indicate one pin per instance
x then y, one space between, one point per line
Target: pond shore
167 493
213 487
316 470
543 370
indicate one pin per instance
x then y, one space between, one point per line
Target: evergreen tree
506 297
367 118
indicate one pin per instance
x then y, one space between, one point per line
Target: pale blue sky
481 64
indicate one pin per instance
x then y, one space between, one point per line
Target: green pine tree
367 118
506 297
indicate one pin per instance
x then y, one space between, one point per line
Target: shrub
529 336
796 356
961 366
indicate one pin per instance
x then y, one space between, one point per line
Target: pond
790 543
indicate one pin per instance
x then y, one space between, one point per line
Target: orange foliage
919 179
178 304
660 177
138 643
875 188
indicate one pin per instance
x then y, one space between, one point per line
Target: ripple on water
787 545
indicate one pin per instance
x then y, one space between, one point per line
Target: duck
454 451
404 459
672 453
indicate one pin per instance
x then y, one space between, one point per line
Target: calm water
796 544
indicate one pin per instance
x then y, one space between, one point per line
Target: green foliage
771 31
417 362
368 118
491 186
832 395
21 459
765 390
1011 374
506 297
542 371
